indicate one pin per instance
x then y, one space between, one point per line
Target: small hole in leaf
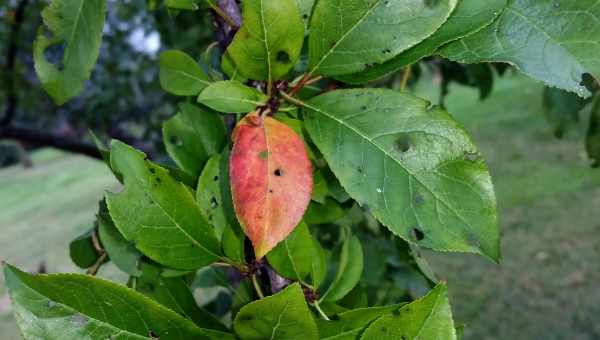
419 199
283 57
418 234
403 143
216 178
152 170
270 191
54 54
213 202
305 16
278 172
175 141
152 334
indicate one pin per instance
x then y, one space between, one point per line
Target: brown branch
39 138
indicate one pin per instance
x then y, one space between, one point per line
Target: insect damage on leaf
271 180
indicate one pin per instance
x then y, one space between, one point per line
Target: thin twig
318 308
222 14
300 84
405 76
93 270
291 99
256 285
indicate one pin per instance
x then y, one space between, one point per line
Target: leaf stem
405 76
256 285
318 308
93 270
291 99
222 14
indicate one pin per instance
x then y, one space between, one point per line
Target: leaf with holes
427 318
75 26
231 96
159 214
284 315
410 164
348 36
268 44
180 74
271 180
192 136
469 16
556 42
72 306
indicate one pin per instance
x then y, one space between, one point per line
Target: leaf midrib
410 173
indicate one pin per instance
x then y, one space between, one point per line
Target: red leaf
271 180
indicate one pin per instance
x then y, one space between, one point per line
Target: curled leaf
271 180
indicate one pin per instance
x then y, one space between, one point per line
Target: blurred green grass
545 287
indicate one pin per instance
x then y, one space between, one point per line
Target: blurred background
51 178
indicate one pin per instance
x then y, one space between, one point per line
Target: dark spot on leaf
384 329
270 191
283 57
403 143
396 312
216 178
334 317
363 108
305 16
149 287
263 154
418 234
472 156
175 141
79 319
213 202
419 199
431 3
360 170
152 170
152 334
278 172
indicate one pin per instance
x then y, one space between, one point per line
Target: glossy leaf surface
230 96
269 41
411 164
556 42
180 74
284 315
159 214
347 36
271 180
72 306
427 318
469 16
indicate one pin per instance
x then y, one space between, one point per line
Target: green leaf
180 75
427 318
159 214
284 315
469 16
120 251
592 139
231 96
71 306
82 251
233 241
269 42
349 325
76 26
410 164
192 136
182 4
305 7
175 294
562 109
320 188
349 270
328 212
299 256
347 36
556 42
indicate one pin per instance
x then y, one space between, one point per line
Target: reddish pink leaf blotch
271 180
